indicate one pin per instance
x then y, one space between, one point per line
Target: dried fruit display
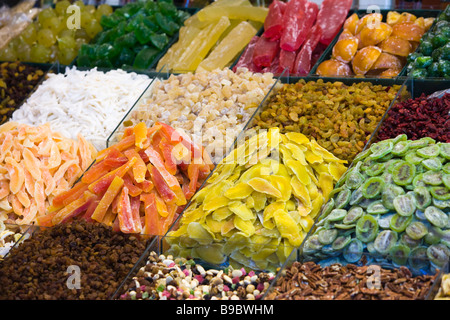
294 34
157 167
340 118
393 203
432 58
418 118
166 278
375 48
259 203
444 289
36 165
9 235
310 281
103 257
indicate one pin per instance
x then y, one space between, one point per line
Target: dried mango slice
264 186
241 210
245 226
287 227
239 191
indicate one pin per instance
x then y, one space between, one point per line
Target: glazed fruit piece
365 59
372 36
369 19
345 49
387 61
408 31
350 23
396 46
334 68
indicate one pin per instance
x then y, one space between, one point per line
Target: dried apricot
387 61
345 49
350 23
408 31
333 68
371 36
365 59
397 46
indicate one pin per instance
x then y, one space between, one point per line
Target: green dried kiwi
356 196
446 180
390 192
440 193
422 142
422 197
376 169
337 215
436 216
327 208
432 177
445 237
327 236
416 230
418 181
313 243
405 205
381 149
366 228
441 204
400 137
429 152
353 251
343 198
445 150
385 240
354 180
400 223
418 258
420 168
335 191
365 203
390 165
420 215
343 226
353 214
400 148
377 207
403 173
438 254
413 158
386 158
372 187
433 164
384 220
387 178
362 155
399 254
409 242
371 248
446 167
433 236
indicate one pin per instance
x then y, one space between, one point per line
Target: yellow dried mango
264 186
239 191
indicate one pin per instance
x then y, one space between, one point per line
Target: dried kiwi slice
436 217
420 215
429 152
433 164
400 223
327 208
418 258
387 178
376 169
313 243
390 165
354 250
445 237
384 221
390 192
377 207
446 180
366 228
337 215
343 198
422 142
327 236
409 242
440 193
385 240
433 236
405 205
403 173
438 254
422 197
372 187
400 148
413 158
400 137
441 204
353 215
343 226
399 254
446 167
445 150
416 230
418 181
362 155
356 196
381 149
354 180
432 177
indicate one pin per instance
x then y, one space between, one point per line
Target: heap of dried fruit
259 203
444 289
368 46
394 203
157 167
310 281
341 118
418 118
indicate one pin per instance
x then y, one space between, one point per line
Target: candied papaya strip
157 161
132 188
139 168
193 173
163 189
140 134
135 205
167 221
127 221
104 204
90 210
169 159
70 195
126 143
67 210
151 219
46 221
109 218
100 185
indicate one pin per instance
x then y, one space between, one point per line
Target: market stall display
90 103
155 166
184 279
212 107
370 47
17 80
103 257
213 37
51 38
310 281
133 36
10 235
339 117
432 58
292 33
259 203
